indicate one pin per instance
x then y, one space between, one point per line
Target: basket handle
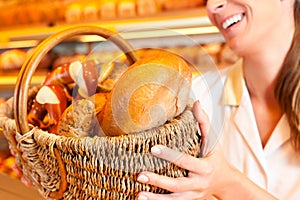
32 62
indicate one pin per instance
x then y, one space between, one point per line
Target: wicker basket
89 168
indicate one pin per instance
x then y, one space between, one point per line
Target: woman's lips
232 20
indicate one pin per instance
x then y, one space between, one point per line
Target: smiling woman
261 101
288 84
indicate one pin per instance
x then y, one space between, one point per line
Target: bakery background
177 25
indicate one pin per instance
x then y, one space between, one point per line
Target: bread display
147 94
55 12
115 94
13 59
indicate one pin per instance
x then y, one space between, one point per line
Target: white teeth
232 20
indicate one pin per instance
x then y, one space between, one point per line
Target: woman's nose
214 6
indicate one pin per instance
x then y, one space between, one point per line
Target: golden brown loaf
12 59
153 90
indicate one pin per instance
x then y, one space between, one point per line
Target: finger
17 170
12 152
152 196
181 184
26 182
190 163
201 117
191 195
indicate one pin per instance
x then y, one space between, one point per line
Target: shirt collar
233 89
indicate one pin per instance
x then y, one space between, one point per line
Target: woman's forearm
241 187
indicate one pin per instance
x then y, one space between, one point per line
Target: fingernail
156 150
143 179
142 197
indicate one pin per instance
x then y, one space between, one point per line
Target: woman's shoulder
211 76
214 79
210 81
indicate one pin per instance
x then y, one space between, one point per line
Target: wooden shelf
8 78
139 31
188 22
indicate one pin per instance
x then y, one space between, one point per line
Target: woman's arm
241 187
208 176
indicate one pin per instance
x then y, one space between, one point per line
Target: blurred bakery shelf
192 22
166 29
8 79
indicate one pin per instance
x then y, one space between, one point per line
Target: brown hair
288 86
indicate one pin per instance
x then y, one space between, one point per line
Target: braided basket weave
89 168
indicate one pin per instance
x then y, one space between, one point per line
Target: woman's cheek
211 18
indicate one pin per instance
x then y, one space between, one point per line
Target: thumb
201 118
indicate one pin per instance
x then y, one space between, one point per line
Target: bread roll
8 15
90 12
152 91
146 7
12 59
22 14
74 13
61 60
181 4
47 60
49 11
108 9
126 8
79 119
35 13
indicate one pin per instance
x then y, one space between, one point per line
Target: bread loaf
79 119
180 4
12 59
152 91
108 9
126 8
146 7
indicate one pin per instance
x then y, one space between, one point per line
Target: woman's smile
231 21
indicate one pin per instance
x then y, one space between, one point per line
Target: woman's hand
19 173
207 176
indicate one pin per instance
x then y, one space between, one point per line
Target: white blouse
225 98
